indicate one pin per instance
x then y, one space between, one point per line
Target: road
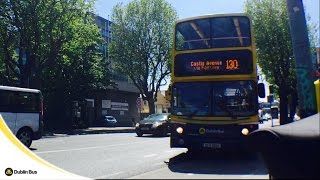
124 155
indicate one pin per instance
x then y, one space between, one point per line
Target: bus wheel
25 136
139 134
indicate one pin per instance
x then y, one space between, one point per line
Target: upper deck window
216 32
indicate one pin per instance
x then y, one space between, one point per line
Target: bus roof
210 16
18 89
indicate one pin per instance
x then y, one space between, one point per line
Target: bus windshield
216 32
229 98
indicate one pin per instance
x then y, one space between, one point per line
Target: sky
190 8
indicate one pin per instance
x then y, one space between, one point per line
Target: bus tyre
139 134
25 136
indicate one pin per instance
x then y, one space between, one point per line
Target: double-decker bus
214 86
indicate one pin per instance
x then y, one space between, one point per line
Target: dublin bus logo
8 171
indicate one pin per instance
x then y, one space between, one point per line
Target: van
22 111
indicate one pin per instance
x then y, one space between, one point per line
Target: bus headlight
179 130
245 131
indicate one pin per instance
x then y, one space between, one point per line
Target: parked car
109 120
266 114
156 124
296 117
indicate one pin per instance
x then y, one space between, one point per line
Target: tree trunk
293 105
283 107
151 105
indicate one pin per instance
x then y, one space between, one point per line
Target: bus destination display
213 63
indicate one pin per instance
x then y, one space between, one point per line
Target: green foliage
273 40
52 45
313 30
44 33
141 46
274 48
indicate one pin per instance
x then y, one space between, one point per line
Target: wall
120 104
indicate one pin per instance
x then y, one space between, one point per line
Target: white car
296 117
266 117
266 114
110 120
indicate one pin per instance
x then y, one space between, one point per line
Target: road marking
150 155
46 140
107 176
96 147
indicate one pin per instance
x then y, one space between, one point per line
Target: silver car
109 120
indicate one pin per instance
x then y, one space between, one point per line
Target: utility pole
301 51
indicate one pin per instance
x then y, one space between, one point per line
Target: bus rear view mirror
261 90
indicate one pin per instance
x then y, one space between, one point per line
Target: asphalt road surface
124 155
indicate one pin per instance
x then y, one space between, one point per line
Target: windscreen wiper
223 106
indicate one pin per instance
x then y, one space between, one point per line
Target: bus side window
27 102
5 101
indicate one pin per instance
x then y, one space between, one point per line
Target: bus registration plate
212 145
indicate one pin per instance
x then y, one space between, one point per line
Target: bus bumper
212 138
208 143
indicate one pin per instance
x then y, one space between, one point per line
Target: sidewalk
270 123
90 130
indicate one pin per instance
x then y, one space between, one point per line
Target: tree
274 51
78 71
274 48
141 46
34 33
53 46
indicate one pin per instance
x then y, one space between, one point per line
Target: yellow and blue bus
214 86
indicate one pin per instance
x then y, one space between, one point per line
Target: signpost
274 113
270 100
138 104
